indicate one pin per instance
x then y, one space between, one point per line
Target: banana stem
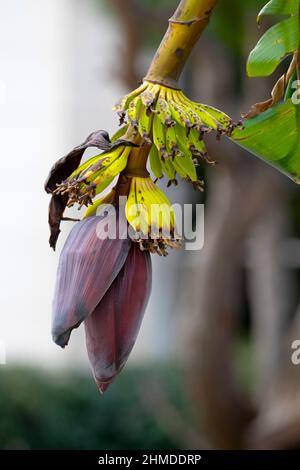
185 28
136 166
137 161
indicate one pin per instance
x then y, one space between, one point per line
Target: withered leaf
56 209
65 166
257 109
277 93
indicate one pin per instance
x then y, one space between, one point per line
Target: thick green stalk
185 28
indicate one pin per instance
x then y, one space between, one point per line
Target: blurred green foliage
229 19
227 22
65 410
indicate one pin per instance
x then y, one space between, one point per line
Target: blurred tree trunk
245 196
277 425
231 212
128 13
268 279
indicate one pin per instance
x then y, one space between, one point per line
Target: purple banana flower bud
112 328
87 267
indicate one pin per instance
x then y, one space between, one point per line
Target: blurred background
212 364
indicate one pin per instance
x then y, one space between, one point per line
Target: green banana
179 168
183 140
186 160
194 117
159 136
110 168
145 124
179 114
134 110
155 162
87 168
148 98
163 111
171 142
120 133
207 119
196 143
184 165
222 118
168 169
123 104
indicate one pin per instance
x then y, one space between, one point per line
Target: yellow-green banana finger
155 162
145 124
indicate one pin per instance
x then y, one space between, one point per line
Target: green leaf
280 7
276 43
273 136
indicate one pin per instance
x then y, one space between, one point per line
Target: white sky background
56 58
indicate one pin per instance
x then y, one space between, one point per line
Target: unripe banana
164 113
112 169
134 111
123 104
207 119
171 142
159 136
132 210
185 161
179 114
92 210
179 168
183 140
148 98
196 142
155 162
168 169
145 124
162 217
187 165
120 133
224 120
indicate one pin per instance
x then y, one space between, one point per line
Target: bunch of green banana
175 126
93 176
151 216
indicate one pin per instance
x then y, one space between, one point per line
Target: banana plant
104 281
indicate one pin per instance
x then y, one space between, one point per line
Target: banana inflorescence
175 127
93 176
164 127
